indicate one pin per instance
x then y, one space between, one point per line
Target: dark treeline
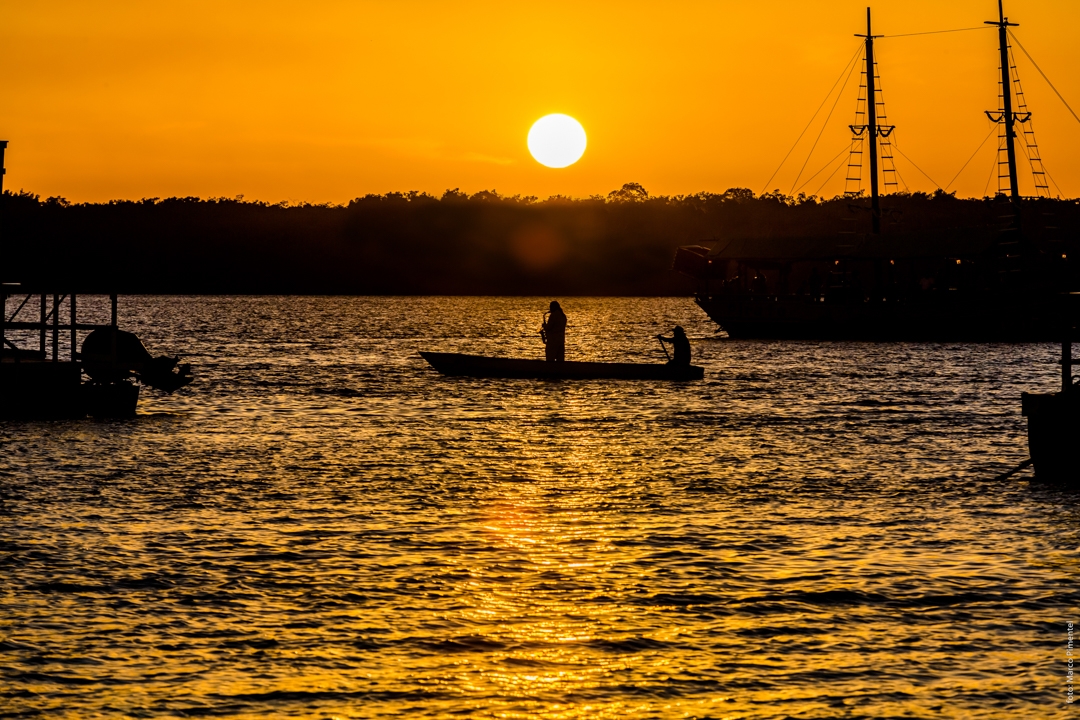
414 243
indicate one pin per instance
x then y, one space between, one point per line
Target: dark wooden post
74 337
44 322
113 298
1066 359
55 328
3 296
3 293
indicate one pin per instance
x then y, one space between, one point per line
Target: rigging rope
830 176
902 180
854 58
825 125
994 168
1043 74
937 32
992 131
896 146
1030 146
1053 181
823 168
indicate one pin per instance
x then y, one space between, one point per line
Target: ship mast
872 127
1006 116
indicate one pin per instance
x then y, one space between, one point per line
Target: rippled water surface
322 526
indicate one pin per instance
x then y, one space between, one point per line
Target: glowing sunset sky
324 101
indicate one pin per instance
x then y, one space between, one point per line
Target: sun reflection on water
542 595
326 528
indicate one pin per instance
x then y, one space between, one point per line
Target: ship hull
981 318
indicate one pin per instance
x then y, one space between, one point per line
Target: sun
557 141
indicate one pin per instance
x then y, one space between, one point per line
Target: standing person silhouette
681 345
553 333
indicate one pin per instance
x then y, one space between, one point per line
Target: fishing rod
661 339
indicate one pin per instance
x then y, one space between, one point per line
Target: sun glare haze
328 101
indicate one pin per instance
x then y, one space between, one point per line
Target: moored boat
1054 418
459 364
38 384
46 380
990 282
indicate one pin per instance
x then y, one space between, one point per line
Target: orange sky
324 101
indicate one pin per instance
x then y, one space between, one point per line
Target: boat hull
40 390
37 390
946 319
458 364
1053 426
110 400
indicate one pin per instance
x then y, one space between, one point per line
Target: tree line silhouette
621 243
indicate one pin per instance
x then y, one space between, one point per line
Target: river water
322 526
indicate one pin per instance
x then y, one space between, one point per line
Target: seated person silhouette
553 333
681 345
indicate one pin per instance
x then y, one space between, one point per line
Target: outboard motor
110 355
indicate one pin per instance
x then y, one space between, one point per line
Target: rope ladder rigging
890 177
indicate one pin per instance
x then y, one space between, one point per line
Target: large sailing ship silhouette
871 279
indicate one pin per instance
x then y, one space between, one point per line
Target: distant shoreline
413 244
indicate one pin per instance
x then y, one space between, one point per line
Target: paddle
1027 463
661 339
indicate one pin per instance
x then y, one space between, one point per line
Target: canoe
492 367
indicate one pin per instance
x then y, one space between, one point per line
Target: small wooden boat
492 367
37 384
1054 418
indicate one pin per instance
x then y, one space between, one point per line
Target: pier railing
47 325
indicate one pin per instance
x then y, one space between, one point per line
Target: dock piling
55 328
